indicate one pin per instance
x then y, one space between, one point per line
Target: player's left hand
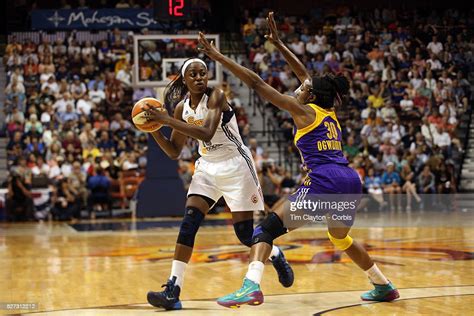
156 115
273 36
208 48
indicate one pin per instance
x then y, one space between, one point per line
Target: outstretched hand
155 114
208 48
273 36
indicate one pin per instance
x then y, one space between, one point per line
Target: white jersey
226 168
226 142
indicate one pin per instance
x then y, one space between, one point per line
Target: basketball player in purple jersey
318 138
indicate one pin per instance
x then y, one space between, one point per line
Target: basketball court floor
106 267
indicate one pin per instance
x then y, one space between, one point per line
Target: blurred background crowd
409 90
68 107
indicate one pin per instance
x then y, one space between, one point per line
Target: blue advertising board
93 19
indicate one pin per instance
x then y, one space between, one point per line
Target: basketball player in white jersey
225 169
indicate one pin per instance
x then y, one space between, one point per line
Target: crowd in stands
67 119
68 104
68 125
409 89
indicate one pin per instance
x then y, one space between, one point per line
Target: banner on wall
93 19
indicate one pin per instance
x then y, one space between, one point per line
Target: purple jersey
321 142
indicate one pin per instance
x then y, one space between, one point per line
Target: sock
255 271
275 252
177 269
376 276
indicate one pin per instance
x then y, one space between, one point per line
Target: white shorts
235 179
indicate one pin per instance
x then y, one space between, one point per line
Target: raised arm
173 146
293 61
205 132
252 80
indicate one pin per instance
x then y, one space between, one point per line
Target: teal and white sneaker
248 294
381 293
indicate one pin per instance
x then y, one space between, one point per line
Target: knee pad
341 244
270 229
189 226
244 231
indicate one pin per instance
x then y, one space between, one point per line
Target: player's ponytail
175 91
341 85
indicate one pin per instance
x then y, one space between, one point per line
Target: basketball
139 116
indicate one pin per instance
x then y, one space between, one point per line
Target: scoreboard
170 10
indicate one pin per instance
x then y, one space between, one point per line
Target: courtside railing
273 135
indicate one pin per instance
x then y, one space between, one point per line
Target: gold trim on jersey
307 181
321 114
191 120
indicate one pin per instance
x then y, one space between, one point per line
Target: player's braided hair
329 88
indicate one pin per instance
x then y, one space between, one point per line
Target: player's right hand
156 115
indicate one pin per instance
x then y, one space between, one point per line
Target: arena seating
409 100
68 97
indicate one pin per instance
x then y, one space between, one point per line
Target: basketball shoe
249 294
284 270
381 293
169 298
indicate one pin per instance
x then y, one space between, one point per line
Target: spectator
141 93
391 185
350 149
313 47
426 181
65 202
19 202
409 187
373 185
88 50
298 47
185 173
122 4
96 94
406 104
444 178
41 168
99 197
61 104
71 143
69 115
78 183
46 68
434 46
105 143
442 139
51 84
78 89
269 182
114 95
125 76
85 106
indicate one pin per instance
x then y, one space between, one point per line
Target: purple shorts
330 189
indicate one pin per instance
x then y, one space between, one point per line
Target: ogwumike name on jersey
329 145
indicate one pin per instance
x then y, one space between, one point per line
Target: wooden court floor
107 267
